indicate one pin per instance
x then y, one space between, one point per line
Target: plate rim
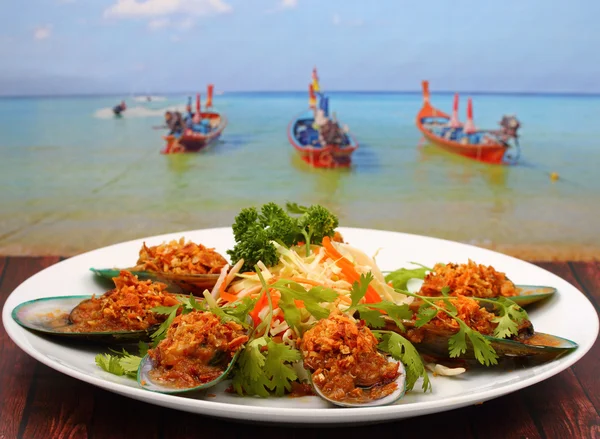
291 415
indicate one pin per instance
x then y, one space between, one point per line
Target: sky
148 46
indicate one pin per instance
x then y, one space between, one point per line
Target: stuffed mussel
189 266
345 366
122 314
476 280
198 352
434 337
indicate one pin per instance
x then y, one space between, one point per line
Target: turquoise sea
74 178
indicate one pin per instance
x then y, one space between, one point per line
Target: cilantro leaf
372 317
401 349
445 291
110 363
291 313
506 326
248 376
122 362
240 309
164 310
510 317
161 332
400 277
254 360
190 304
260 371
130 364
484 352
278 368
425 314
359 289
457 344
397 313
312 299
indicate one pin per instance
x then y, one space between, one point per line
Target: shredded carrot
274 298
260 304
349 271
228 297
302 280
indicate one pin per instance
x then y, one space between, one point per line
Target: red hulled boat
196 130
445 131
317 138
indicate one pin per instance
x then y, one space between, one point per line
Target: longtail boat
447 132
197 130
319 139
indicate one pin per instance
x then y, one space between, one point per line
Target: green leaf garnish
400 277
403 350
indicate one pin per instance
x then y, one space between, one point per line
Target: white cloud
161 8
283 4
42 32
337 21
158 23
186 24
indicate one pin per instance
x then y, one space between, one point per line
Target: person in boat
178 125
510 125
174 122
189 114
120 108
332 133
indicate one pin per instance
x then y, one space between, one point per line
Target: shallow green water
73 178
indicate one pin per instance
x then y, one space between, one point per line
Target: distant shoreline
303 92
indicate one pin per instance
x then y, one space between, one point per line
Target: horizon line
397 92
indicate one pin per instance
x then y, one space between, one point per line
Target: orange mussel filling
127 307
179 257
469 279
345 364
197 349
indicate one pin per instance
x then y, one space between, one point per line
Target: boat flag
425 85
454 122
209 95
197 116
469 127
312 98
315 81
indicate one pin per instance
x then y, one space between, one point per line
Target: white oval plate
568 314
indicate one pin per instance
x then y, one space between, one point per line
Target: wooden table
38 402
